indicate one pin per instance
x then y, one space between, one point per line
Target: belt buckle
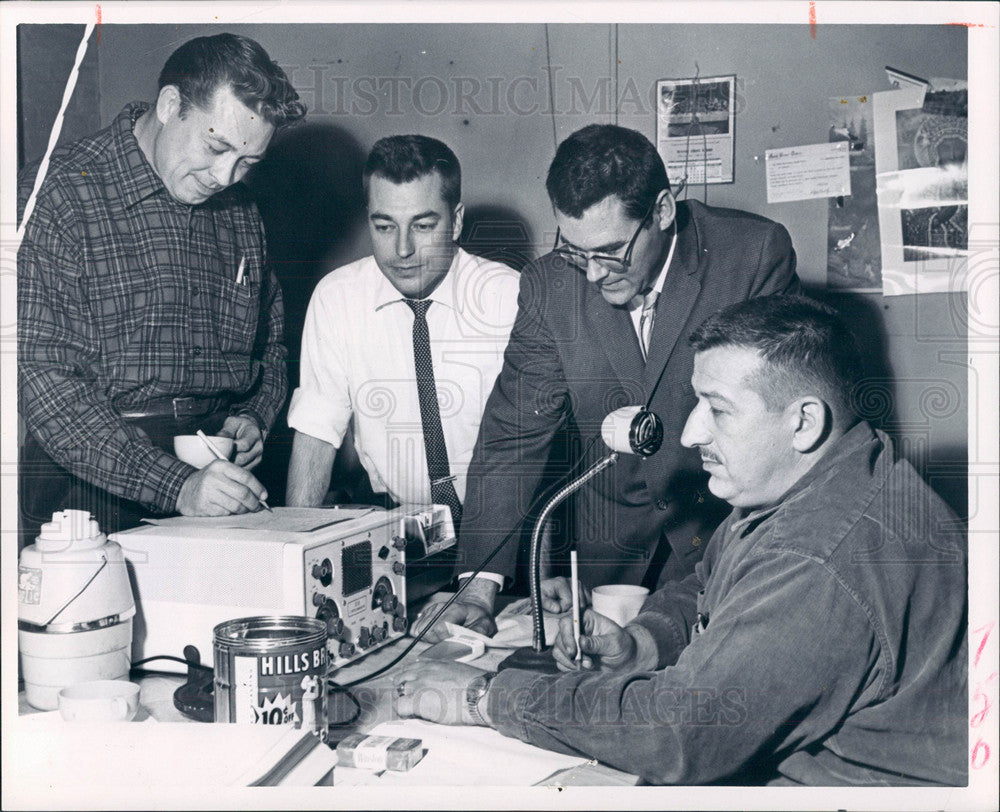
185 407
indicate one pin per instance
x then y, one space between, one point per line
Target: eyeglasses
580 260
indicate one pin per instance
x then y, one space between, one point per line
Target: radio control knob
379 634
399 624
318 599
398 567
383 552
328 613
399 543
364 638
323 572
346 650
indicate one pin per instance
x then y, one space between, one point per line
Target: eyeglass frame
624 261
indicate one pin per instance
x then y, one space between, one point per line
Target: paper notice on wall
808 172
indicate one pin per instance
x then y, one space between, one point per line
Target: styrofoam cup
618 602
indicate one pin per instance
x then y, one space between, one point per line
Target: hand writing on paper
220 489
605 645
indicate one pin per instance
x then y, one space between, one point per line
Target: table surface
374 696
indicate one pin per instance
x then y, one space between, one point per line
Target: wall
485 91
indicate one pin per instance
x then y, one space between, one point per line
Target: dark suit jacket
574 356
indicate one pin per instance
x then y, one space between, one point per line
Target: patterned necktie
646 321
442 486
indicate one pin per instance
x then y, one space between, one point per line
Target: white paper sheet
280 519
56 754
808 172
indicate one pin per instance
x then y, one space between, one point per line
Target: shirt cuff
160 481
489 576
246 411
310 412
670 641
507 698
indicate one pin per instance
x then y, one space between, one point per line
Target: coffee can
272 670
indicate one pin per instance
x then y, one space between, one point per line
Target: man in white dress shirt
360 344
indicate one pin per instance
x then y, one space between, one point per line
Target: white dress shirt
357 360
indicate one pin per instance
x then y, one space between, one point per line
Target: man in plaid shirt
145 305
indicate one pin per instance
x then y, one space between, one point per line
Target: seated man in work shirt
822 638
407 342
145 306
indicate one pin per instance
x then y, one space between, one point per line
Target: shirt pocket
237 311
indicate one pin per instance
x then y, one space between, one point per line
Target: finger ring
401 688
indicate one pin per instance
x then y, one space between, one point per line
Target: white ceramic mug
106 700
190 448
618 602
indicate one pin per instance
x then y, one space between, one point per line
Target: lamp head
633 430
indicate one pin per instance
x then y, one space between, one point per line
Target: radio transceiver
348 568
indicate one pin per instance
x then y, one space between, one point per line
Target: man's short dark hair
806 346
602 160
402 158
202 65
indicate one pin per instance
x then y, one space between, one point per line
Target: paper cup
190 448
618 602
107 700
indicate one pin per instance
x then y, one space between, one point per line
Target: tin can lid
265 632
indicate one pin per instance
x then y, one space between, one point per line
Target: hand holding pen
243 474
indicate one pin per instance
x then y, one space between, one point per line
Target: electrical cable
181 660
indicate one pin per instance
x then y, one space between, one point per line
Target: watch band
475 691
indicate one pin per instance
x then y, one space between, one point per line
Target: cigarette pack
379 752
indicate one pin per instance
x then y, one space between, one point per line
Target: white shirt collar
662 278
443 294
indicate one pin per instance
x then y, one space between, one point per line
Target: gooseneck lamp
629 430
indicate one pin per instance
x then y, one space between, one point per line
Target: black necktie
442 486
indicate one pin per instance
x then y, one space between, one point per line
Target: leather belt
178 408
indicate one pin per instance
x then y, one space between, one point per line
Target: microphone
629 430
633 430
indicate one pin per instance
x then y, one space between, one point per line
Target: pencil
575 586
220 456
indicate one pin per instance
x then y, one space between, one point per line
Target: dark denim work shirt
828 648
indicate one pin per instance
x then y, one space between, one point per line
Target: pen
239 273
220 456
575 586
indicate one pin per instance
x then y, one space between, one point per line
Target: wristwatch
475 691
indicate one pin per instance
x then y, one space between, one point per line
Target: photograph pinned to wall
695 128
854 254
922 181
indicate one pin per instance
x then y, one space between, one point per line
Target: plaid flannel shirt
125 295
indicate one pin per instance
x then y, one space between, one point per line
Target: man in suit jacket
602 322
